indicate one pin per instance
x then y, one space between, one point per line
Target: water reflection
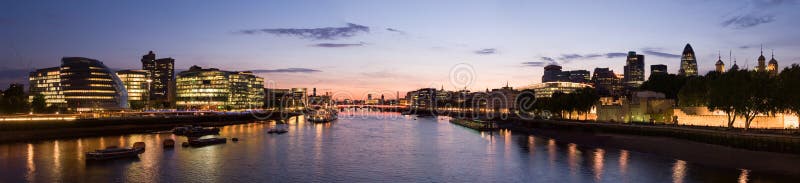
598 158
376 149
678 171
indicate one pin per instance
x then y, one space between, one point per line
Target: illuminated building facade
546 90
47 82
688 62
91 86
634 70
423 98
213 89
772 68
606 82
162 74
719 67
553 73
136 84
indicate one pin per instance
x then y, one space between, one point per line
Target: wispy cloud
338 45
395 30
658 53
324 33
486 51
543 61
287 70
755 13
615 55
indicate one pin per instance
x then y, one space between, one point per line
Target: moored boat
206 142
169 143
277 130
114 152
195 131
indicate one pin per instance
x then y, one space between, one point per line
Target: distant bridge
372 106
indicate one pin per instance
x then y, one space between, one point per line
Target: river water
364 147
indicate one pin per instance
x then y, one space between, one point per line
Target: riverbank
47 130
713 155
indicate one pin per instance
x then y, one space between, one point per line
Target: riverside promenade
71 126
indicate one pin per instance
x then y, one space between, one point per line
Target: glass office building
213 89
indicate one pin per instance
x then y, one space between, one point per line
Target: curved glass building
82 85
688 62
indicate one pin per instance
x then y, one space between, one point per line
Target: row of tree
738 93
562 105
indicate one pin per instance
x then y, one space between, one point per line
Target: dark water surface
376 147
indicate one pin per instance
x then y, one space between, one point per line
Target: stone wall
701 116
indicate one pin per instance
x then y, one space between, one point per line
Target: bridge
372 106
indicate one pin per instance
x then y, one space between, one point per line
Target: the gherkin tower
688 62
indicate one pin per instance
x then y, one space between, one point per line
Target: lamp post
147 104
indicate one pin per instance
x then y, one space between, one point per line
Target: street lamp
147 104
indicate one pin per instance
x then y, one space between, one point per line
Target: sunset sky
358 47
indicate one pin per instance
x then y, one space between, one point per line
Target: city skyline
341 48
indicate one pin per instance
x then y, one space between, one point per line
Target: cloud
748 20
656 52
338 45
544 62
287 70
755 13
395 30
615 55
486 51
325 33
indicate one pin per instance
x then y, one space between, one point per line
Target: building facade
658 69
688 62
137 83
82 85
553 73
634 70
47 82
546 90
213 89
162 74
606 82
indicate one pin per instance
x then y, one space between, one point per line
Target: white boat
322 115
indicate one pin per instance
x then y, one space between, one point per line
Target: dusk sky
357 47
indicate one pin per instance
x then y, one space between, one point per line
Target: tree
693 93
14 100
669 84
724 94
38 104
789 88
759 96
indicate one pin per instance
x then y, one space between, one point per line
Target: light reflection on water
382 148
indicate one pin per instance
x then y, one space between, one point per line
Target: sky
352 48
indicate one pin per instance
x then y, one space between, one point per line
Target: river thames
366 147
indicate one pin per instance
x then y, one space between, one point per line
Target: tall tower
772 68
762 66
688 62
719 66
162 78
634 70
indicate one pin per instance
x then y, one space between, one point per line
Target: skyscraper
688 62
634 70
658 69
162 75
606 82
552 73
